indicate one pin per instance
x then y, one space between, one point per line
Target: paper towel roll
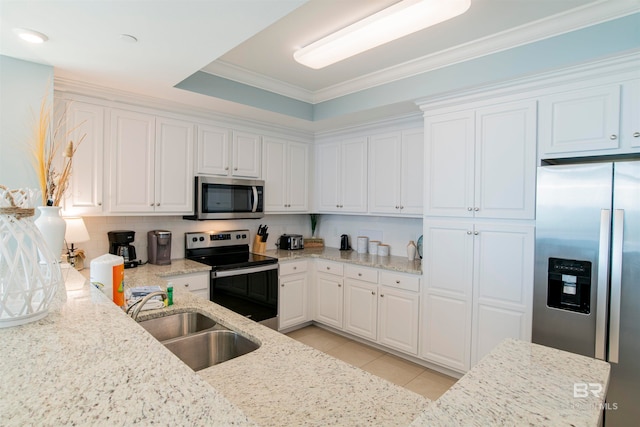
107 274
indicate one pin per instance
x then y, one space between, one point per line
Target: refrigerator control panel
569 285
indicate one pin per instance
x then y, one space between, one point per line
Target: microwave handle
254 206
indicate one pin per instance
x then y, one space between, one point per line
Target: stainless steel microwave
227 198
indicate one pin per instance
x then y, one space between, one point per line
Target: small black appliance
120 244
344 243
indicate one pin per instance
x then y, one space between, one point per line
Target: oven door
224 198
251 292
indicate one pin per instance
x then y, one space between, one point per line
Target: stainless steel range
241 281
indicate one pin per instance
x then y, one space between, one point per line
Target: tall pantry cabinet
480 165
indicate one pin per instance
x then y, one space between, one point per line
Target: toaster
291 242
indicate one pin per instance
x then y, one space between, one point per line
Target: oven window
219 198
252 295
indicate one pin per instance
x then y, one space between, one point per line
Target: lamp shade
76 230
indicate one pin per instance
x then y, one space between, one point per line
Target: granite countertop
89 363
393 263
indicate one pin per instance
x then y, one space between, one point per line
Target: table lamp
76 233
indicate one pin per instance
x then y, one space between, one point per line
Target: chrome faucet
137 306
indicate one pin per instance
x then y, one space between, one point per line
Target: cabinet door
398 319
213 151
446 309
630 119
361 308
246 156
298 177
503 286
449 164
174 166
385 169
329 300
580 121
293 300
505 165
85 125
354 176
412 172
328 177
275 174
131 147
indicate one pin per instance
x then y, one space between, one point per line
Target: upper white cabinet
342 176
479 283
151 164
591 121
286 174
396 172
218 154
481 163
85 122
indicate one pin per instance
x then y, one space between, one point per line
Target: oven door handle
241 271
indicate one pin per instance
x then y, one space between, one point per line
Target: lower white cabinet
398 313
293 295
478 289
361 308
329 296
196 283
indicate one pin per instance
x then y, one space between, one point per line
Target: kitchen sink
209 348
198 340
177 325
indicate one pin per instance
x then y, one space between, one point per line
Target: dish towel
134 295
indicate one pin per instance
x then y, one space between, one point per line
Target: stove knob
202 239
238 236
194 239
244 236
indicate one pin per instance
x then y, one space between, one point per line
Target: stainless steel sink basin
209 348
177 325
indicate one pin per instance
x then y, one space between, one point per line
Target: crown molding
574 19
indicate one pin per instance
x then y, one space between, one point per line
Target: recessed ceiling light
30 36
127 38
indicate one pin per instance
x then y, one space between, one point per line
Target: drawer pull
186 285
381 295
360 274
328 268
282 285
373 293
398 282
295 268
339 285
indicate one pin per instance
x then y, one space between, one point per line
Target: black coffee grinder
120 244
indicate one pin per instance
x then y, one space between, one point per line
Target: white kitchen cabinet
218 154
342 176
151 164
477 275
481 162
293 297
286 174
85 126
396 172
196 283
591 121
361 308
398 313
329 295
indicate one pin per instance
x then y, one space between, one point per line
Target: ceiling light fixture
30 36
399 20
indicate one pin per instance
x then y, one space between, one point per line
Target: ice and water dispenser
569 285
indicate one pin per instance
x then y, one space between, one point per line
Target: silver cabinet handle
636 134
328 268
475 233
601 286
99 203
476 209
235 169
157 204
359 274
616 284
381 295
397 282
373 293
282 285
151 205
469 208
295 268
397 207
401 207
226 168
613 137
339 285
469 233
186 285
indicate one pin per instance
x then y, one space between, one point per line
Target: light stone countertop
392 263
88 363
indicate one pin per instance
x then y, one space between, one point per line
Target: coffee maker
120 244
159 247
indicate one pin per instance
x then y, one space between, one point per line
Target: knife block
259 247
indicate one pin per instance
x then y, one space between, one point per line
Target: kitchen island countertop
88 363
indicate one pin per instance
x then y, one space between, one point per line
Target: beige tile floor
416 378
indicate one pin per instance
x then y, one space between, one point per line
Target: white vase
411 250
52 227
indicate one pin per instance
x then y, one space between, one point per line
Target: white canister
107 274
373 247
383 250
363 244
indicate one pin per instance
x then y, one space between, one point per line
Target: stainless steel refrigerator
587 272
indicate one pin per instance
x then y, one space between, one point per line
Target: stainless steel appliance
241 281
159 247
227 198
587 272
291 242
120 243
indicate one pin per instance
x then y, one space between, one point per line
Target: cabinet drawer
401 281
329 267
361 273
190 282
293 267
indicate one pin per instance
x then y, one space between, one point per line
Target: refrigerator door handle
616 284
602 285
